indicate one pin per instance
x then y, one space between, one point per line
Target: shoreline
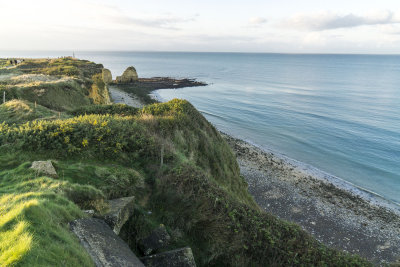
121 97
338 216
335 216
340 183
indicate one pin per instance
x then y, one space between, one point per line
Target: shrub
102 136
60 71
119 109
225 232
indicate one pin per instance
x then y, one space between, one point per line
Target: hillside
180 170
59 84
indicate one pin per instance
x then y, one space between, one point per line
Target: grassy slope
59 84
110 151
33 222
18 111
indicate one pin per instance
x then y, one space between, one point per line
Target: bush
119 109
60 71
100 136
226 232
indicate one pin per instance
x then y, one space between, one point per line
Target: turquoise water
338 113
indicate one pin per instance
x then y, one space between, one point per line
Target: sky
284 26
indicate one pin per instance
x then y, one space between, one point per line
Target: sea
337 115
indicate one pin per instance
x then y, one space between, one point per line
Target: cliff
177 166
59 84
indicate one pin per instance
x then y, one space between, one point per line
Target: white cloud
329 21
257 20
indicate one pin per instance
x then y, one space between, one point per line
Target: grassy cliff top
59 84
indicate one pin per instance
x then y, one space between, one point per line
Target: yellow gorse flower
85 143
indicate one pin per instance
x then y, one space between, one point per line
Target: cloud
114 16
329 21
257 20
165 22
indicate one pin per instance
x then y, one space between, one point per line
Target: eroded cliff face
106 75
99 90
129 76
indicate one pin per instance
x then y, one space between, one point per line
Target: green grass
35 210
63 95
59 95
20 111
34 217
67 66
62 84
112 179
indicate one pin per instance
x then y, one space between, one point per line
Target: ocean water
337 113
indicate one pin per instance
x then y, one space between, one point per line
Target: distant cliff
60 84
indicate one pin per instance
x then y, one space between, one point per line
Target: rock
102 244
182 257
121 210
89 212
129 76
156 240
44 167
106 75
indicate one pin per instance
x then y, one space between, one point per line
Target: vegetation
66 66
21 111
59 84
120 109
4 62
33 222
167 155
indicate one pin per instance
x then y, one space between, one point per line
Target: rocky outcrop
98 92
102 244
182 257
121 210
129 76
45 168
106 75
156 240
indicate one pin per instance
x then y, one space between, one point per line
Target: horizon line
210 52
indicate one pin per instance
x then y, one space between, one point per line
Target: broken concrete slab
102 244
156 240
121 210
44 167
182 257
89 212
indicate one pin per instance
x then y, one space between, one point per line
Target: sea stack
129 76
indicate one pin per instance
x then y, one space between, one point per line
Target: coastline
335 216
342 217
